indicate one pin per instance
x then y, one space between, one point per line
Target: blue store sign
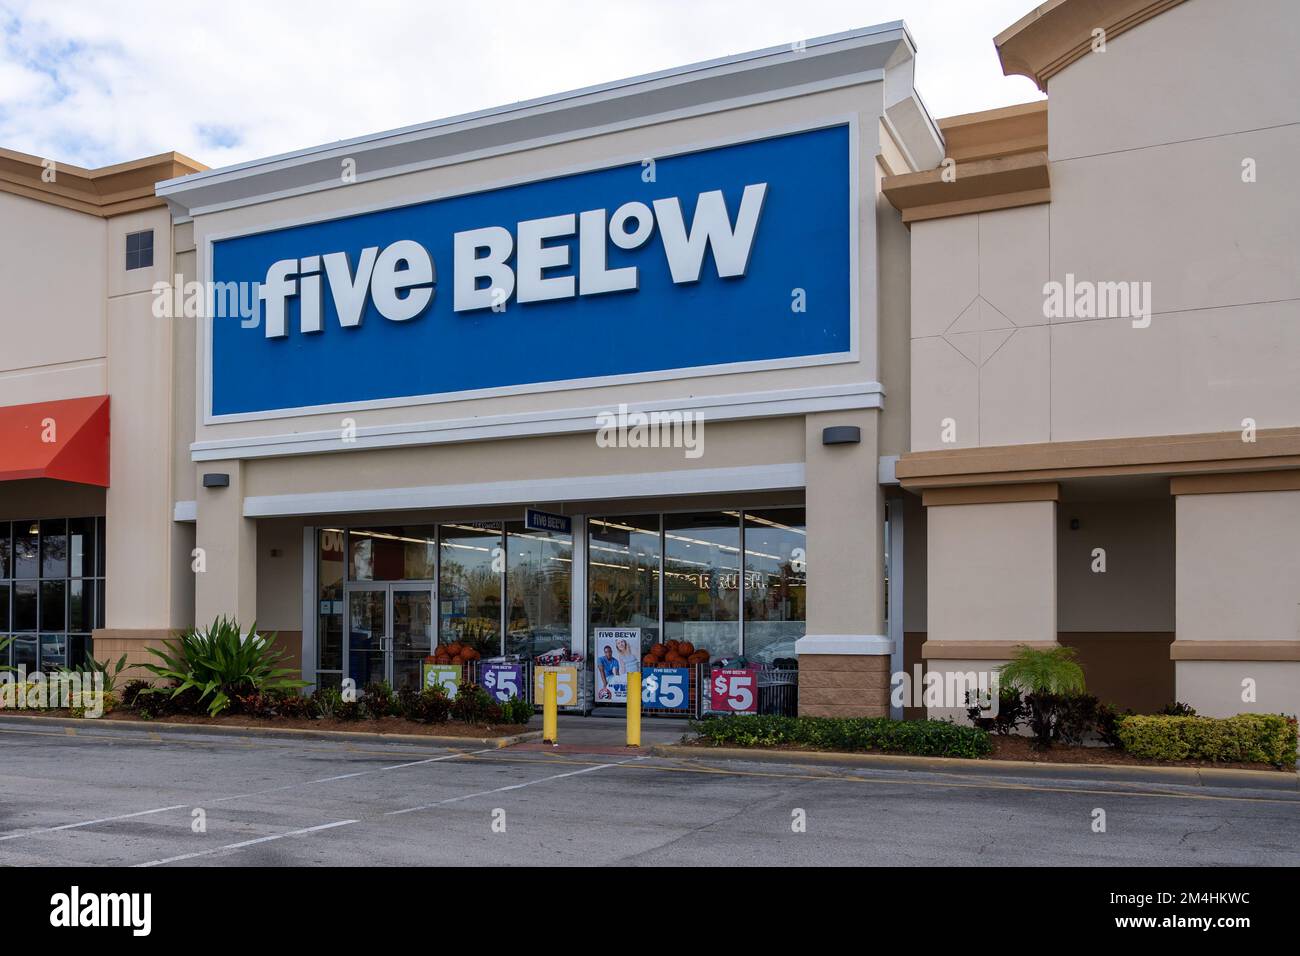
736 256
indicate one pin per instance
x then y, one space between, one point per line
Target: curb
290 733
1115 773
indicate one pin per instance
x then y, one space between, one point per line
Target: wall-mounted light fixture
216 480
841 435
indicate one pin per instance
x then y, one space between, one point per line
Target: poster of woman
618 653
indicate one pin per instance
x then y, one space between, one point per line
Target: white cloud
92 83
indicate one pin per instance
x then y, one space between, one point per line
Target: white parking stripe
238 796
515 786
88 823
238 846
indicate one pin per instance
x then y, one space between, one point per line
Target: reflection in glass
469 590
6 550
81 547
623 575
391 554
776 582
81 605
24 606
412 635
26 536
702 581
54 549
539 570
53 611
366 630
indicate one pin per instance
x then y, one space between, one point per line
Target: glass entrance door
412 634
367 636
390 632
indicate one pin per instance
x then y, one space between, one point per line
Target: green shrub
221 662
516 710
1011 711
379 699
90 667
474 705
428 706
925 738
1246 738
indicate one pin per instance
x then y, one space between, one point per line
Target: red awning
67 440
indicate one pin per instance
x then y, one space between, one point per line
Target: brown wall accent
979 186
107 191
843 685
290 642
1229 484
978 650
991 494
1212 452
1127 670
1235 651
1056 33
913 641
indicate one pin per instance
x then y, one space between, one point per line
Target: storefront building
752 356
1105 360
650 312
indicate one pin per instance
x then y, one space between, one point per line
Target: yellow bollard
634 709
550 707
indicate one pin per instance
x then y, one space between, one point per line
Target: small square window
139 250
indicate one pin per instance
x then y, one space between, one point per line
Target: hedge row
1246 738
922 738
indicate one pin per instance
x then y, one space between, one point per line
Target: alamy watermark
20 690
626 429
1085 299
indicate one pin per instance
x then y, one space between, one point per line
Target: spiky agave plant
1045 677
220 661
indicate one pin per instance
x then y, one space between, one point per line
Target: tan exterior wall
1145 188
992 572
53 269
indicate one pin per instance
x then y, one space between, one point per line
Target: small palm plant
1045 677
222 662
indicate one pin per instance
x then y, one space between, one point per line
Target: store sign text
400 278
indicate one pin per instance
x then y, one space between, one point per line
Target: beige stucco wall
1216 688
1146 168
53 265
992 572
1238 566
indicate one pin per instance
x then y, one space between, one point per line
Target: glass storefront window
391 554
702 581
24 607
623 575
329 580
26 537
539 576
54 549
776 582
469 589
6 550
81 547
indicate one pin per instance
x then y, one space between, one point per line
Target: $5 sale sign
734 690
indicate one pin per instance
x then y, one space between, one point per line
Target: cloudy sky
91 82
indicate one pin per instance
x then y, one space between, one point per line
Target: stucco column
991 581
1237 610
844 657
225 577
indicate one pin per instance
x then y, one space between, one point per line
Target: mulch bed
382 725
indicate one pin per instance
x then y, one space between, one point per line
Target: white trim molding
875 645
185 511
713 408
687 481
794 69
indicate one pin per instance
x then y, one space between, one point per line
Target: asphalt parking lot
126 797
